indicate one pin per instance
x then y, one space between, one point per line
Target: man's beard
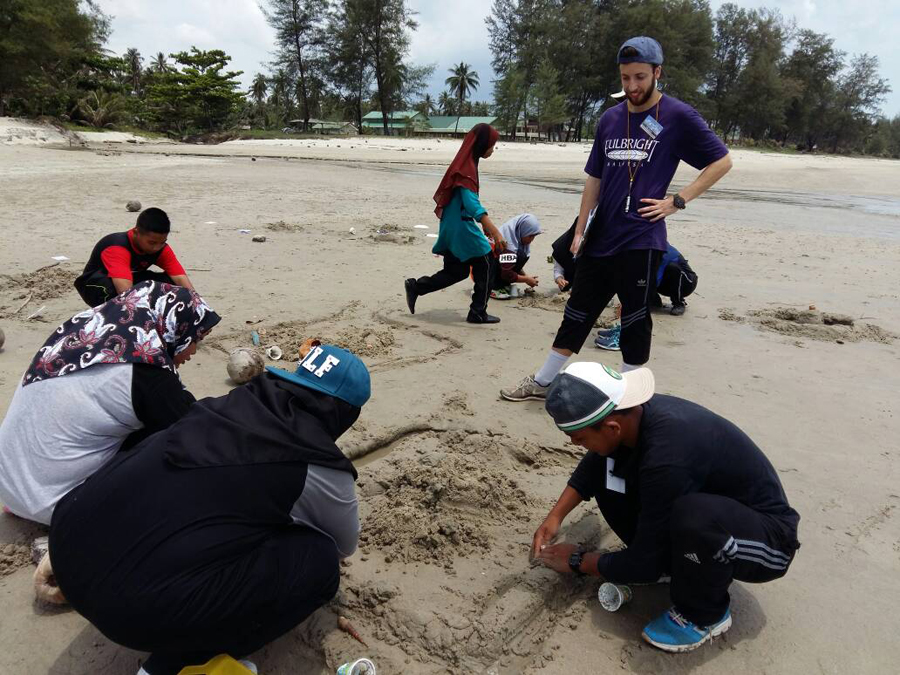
645 97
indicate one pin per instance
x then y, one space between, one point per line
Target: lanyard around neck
633 174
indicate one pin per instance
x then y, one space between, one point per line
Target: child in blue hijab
509 264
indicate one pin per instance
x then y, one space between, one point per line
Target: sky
450 32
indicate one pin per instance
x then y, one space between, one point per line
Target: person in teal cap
225 531
464 247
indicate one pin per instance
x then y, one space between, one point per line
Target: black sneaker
678 310
411 295
482 318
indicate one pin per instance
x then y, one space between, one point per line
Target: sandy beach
454 481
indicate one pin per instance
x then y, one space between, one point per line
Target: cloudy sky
450 32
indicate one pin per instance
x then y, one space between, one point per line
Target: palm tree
462 81
445 103
160 64
426 107
280 99
101 109
259 88
134 63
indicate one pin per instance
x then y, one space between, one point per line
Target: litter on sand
432 235
244 231
59 258
421 227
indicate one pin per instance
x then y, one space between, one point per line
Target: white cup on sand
613 596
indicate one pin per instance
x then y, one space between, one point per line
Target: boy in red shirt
122 259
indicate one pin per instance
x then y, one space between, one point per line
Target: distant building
327 127
400 122
450 124
410 122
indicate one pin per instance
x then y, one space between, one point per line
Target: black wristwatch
575 561
678 201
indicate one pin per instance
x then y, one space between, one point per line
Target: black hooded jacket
213 486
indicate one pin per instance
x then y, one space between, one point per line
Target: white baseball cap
584 393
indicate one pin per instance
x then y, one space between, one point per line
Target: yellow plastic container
220 665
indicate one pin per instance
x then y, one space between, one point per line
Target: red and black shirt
116 256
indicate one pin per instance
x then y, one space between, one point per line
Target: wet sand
453 481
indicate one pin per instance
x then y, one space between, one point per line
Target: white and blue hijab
516 229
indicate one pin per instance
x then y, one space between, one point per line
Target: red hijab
463 170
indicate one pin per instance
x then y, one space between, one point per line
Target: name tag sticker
613 483
651 127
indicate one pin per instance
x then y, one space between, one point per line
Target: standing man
690 495
636 150
122 259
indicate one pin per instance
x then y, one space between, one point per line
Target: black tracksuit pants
714 540
677 283
631 275
98 288
455 270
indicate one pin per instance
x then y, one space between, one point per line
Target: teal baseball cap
333 371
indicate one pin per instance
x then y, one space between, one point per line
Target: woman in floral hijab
104 374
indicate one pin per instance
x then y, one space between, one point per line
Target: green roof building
447 124
400 121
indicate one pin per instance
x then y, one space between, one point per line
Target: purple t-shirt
684 136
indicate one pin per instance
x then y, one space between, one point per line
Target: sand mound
441 505
391 234
457 402
811 324
365 341
282 226
45 283
13 557
553 302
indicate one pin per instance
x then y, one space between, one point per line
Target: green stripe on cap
593 419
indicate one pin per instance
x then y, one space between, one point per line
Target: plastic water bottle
358 667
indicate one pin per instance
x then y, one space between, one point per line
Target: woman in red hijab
463 245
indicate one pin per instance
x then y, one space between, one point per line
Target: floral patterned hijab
149 323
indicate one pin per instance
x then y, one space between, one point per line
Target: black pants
455 270
269 591
298 570
632 276
677 283
715 540
98 287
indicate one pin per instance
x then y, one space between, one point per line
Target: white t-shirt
60 431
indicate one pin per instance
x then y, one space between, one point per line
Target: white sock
554 363
627 366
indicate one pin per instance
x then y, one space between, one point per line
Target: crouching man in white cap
690 495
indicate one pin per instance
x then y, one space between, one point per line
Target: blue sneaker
609 339
671 632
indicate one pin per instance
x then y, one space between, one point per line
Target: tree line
755 76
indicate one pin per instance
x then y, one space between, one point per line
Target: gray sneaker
526 389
